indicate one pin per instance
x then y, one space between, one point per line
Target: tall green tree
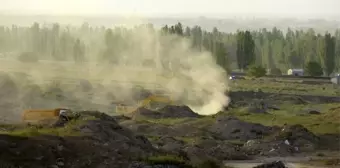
245 50
329 58
313 68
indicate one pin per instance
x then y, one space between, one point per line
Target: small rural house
336 79
295 72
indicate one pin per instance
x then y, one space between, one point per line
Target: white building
295 72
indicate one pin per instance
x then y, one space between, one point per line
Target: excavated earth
102 141
120 141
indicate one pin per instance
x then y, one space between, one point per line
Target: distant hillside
226 25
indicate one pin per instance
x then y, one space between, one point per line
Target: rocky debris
276 164
168 111
232 128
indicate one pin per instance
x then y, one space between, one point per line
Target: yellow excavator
152 102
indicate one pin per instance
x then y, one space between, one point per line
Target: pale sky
166 7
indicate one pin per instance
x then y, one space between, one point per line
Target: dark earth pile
168 111
102 143
233 128
276 164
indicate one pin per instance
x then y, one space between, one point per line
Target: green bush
166 160
275 71
256 71
313 69
208 164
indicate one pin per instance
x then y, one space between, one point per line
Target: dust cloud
143 57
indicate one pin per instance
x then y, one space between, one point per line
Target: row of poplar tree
280 49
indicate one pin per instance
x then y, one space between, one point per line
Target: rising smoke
141 56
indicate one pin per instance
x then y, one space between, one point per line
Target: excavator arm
151 102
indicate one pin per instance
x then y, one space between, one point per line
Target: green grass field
271 86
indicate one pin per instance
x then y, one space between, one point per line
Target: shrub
166 160
208 164
275 71
256 71
313 69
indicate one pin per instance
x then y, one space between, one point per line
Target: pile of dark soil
102 143
298 136
168 111
276 164
215 149
232 128
285 142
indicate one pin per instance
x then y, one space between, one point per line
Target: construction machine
48 115
152 102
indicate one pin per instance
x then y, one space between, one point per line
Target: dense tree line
271 49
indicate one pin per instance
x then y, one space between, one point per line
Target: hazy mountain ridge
225 25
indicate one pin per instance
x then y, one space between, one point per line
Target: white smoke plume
145 57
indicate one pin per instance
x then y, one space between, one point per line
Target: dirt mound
284 142
166 112
276 164
298 136
180 111
101 142
213 150
106 128
233 128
